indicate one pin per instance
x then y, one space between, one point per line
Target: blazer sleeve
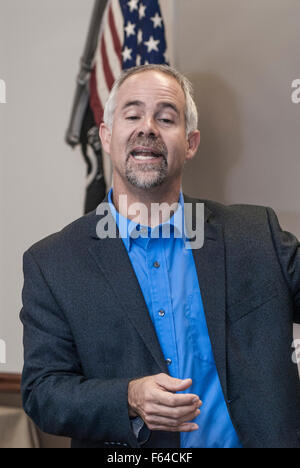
56 394
287 248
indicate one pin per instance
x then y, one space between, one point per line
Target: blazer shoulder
240 222
246 212
224 213
69 238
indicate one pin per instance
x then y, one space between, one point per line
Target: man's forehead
150 83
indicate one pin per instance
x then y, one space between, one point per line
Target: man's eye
167 121
132 117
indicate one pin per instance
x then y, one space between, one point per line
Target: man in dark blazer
99 361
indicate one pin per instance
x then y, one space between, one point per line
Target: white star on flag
127 54
152 44
157 21
130 29
142 11
133 5
132 32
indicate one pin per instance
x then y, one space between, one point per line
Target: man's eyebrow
164 105
132 103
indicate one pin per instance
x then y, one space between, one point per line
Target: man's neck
147 207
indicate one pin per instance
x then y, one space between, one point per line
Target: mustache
157 145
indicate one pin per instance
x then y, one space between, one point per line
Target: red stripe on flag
94 99
109 78
115 35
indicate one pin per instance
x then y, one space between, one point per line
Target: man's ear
105 137
193 143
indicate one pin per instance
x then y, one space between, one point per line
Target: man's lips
145 153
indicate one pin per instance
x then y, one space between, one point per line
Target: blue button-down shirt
166 272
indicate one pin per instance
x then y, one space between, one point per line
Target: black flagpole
81 98
82 127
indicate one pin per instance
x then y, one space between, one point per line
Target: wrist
131 406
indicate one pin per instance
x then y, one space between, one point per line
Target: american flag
132 33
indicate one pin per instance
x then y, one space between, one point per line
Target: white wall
242 57
42 179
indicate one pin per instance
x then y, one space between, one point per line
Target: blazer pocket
264 293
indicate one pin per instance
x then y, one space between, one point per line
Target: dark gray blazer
87 331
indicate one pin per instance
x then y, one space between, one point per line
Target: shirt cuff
137 424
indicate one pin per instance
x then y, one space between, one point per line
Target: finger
172 384
159 420
172 400
170 412
186 427
189 417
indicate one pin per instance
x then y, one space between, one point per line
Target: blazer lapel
112 258
210 266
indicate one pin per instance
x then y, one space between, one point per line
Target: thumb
172 384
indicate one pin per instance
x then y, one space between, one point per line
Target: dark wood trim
10 383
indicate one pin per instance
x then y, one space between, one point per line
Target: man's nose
148 128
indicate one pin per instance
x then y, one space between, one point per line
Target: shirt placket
162 311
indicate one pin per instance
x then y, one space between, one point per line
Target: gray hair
191 113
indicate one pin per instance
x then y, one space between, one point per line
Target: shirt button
168 361
161 313
156 264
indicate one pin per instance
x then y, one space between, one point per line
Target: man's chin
145 182
147 178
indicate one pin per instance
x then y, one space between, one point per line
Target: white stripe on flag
113 59
103 91
119 19
104 20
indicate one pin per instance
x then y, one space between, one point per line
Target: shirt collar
134 232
